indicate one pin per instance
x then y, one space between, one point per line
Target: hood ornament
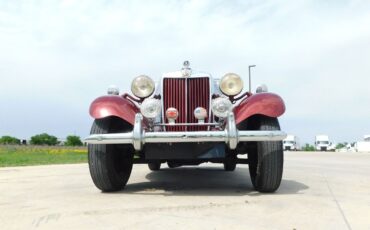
186 70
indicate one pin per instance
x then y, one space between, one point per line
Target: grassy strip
41 155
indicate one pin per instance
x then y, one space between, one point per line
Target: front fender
267 104
112 105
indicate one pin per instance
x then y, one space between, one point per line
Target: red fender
118 106
267 104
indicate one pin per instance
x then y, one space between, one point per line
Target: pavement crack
167 209
337 203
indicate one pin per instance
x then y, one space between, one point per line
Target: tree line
42 139
308 147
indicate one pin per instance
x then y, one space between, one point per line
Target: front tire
266 159
110 165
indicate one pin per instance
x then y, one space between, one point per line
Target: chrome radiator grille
186 94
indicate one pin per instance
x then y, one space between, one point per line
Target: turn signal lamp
172 114
200 113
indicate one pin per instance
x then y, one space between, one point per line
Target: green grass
41 155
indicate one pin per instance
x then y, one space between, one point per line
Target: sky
56 57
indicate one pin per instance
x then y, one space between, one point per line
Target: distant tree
308 147
341 145
44 139
8 140
73 141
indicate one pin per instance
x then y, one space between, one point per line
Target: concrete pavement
318 191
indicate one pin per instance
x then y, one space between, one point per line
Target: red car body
268 104
113 105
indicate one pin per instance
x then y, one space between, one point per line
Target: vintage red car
187 118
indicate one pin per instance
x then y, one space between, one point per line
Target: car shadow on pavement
204 181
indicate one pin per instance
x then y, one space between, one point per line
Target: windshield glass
323 142
289 142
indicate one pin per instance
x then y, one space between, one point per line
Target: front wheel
110 165
266 159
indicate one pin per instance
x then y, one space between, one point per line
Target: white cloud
58 55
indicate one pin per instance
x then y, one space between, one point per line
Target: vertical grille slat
179 91
176 95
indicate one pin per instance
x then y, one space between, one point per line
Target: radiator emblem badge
186 70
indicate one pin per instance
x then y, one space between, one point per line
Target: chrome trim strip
186 101
188 124
178 74
162 99
210 81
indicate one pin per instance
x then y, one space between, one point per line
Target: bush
8 140
308 147
73 141
341 145
44 139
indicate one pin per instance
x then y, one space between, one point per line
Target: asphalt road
318 191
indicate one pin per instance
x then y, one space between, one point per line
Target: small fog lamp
221 107
150 108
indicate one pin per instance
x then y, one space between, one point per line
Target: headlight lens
150 108
221 107
142 86
231 84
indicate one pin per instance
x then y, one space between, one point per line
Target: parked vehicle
291 143
363 146
189 119
322 143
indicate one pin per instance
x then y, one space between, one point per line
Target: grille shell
186 94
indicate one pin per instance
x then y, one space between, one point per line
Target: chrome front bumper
231 136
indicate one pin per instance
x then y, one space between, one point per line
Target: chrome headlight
221 107
150 108
231 84
142 86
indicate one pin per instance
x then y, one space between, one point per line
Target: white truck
291 143
322 143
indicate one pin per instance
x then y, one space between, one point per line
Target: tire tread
101 162
270 158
